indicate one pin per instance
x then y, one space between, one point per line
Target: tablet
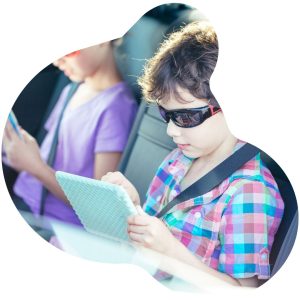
102 207
14 123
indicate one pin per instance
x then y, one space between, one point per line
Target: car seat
287 231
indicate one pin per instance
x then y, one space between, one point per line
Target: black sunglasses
188 118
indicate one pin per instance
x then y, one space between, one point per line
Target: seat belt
53 148
215 177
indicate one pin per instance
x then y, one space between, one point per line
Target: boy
229 231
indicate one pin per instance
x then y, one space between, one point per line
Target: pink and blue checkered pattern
230 228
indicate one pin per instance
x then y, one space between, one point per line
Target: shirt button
264 256
197 215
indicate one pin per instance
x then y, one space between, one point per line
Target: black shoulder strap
215 177
52 152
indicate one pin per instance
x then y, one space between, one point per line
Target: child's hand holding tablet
21 149
119 179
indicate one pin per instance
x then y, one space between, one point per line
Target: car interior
148 143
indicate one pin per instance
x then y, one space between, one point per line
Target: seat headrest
138 44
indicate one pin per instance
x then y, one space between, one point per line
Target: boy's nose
173 130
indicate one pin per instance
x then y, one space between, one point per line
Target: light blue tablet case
103 208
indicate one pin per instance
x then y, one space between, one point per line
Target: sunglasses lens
188 119
163 114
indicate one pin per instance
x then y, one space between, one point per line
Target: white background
256 82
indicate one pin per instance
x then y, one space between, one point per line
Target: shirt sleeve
247 231
114 127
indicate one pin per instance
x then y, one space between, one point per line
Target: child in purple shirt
92 134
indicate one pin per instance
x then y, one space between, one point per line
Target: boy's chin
75 78
190 154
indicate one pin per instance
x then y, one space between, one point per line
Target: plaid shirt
232 227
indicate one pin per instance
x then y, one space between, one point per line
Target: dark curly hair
186 59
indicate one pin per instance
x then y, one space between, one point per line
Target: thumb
25 135
140 210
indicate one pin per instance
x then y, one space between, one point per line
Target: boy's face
200 140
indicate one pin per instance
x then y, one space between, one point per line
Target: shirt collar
179 166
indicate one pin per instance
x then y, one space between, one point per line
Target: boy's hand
119 179
150 232
23 155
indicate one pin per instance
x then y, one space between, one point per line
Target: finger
120 178
12 135
136 237
112 180
7 130
110 177
5 138
130 219
138 220
137 229
25 135
105 177
119 174
140 210
5 143
6 135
